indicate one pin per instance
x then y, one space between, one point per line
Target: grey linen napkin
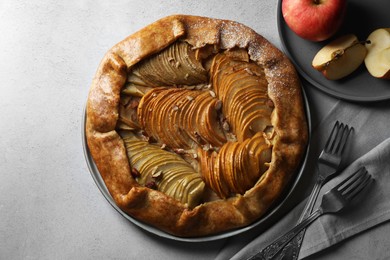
369 146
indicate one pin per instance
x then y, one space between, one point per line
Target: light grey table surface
50 207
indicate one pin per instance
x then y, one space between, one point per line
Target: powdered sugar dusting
233 35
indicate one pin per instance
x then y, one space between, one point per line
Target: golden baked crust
107 147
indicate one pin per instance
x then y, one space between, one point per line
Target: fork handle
291 250
312 199
293 244
274 248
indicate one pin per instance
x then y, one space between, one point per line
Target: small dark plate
361 19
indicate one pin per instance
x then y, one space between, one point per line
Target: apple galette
196 125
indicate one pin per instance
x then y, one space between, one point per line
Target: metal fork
333 201
329 163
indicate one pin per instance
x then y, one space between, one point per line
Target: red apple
314 20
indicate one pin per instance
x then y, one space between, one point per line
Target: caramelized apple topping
170 173
180 118
176 65
237 166
184 131
236 82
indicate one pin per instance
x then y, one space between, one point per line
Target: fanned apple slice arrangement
237 166
176 65
181 118
152 165
186 129
234 80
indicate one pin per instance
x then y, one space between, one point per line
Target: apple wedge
340 57
377 60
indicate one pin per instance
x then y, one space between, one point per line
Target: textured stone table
50 208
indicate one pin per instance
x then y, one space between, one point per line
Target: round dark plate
361 19
282 206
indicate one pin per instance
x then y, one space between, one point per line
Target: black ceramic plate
276 212
361 19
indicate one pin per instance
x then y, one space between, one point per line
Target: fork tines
353 184
339 135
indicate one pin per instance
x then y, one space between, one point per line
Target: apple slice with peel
340 57
377 60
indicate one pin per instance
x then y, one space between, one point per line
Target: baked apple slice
128 114
208 122
145 106
178 117
134 90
